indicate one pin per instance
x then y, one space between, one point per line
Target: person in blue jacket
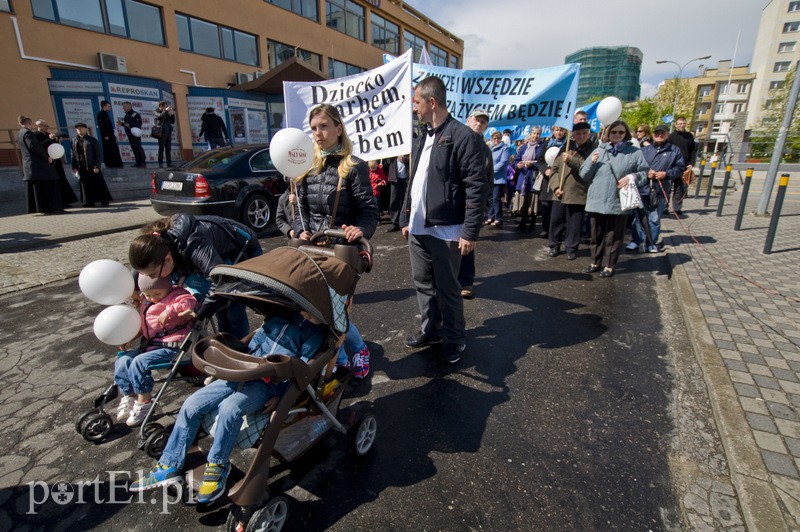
500 156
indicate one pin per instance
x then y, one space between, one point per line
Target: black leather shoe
593 268
393 229
422 340
571 256
607 273
452 352
553 253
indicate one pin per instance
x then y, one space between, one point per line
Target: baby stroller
96 424
319 280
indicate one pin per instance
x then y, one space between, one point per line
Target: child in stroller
290 332
164 309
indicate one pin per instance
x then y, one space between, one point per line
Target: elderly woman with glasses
610 167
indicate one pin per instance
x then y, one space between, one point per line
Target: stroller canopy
293 277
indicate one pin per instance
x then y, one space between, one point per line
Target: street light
677 83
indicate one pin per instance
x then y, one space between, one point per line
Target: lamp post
677 83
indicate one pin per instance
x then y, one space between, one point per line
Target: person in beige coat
569 193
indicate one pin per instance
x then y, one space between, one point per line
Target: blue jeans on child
235 399
130 370
353 343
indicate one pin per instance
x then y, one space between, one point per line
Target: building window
278 53
741 88
207 38
385 34
723 88
453 61
791 27
438 56
705 91
786 47
304 8
716 127
412 41
345 16
340 69
738 108
719 108
5 5
794 6
775 85
125 18
782 66
700 129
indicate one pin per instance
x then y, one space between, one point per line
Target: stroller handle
364 251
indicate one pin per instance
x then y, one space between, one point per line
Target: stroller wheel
81 421
155 442
269 518
151 427
96 427
364 434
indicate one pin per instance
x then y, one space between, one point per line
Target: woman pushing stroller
190 247
293 333
338 189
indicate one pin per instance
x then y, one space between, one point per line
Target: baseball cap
479 111
661 127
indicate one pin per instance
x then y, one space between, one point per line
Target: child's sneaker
160 475
139 412
361 363
124 407
214 479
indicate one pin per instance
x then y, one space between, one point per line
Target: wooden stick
563 165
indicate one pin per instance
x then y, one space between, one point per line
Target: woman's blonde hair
345 146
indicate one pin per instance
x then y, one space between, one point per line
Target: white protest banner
514 99
375 107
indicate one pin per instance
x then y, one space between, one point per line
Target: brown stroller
320 280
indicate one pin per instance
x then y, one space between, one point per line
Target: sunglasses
640 130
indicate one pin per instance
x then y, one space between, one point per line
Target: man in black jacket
213 127
684 140
443 214
164 117
132 120
105 128
86 165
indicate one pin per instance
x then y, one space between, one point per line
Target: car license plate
172 185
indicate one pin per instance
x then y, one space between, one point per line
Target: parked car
236 182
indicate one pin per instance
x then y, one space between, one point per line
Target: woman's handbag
629 198
537 182
156 132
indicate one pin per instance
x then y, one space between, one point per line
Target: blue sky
518 34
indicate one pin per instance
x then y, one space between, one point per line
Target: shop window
125 18
207 38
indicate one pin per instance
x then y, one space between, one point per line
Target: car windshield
218 159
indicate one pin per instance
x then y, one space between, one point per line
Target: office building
62 58
608 71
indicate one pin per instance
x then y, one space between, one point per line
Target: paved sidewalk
25 231
742 309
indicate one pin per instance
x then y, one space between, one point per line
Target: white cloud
522 34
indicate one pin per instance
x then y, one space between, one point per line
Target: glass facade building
608 71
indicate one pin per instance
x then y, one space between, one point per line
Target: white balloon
55 151
551 154
117 325
106 282
292 152
609 109
136 132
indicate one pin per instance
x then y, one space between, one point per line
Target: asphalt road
578 406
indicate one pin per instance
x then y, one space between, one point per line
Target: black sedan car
237 182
